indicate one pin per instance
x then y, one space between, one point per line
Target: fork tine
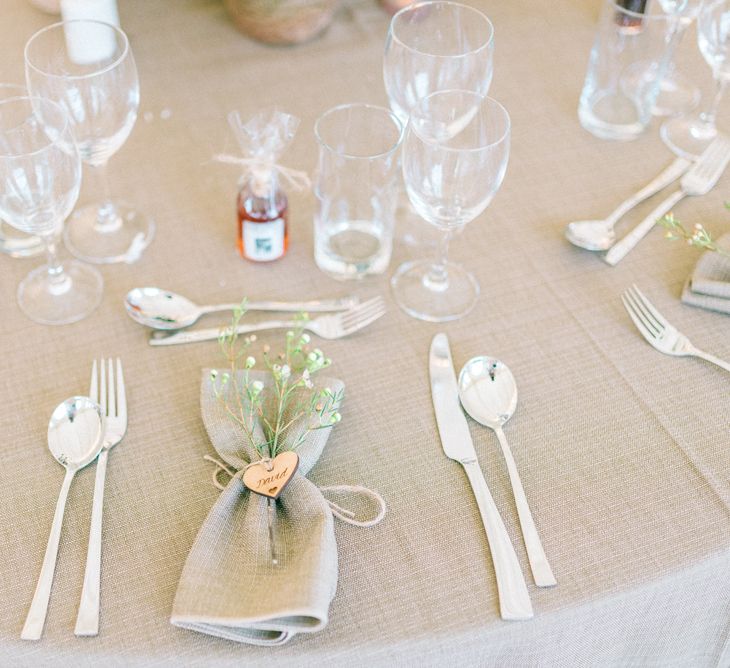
643 315
659 317
111 390
102 386
639 324
94 384
121 393
363 311
361 324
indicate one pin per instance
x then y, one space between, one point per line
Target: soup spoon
162 309
75 438
488 392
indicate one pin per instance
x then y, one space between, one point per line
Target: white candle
87 42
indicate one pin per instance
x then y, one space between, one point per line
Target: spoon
161 309
75 438
488 392
598 235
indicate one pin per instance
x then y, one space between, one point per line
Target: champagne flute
433 46
455 157
689 136
88 68
40 177
12 242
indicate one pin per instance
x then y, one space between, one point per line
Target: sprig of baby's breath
698 236
290 401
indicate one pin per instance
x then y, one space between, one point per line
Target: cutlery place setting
166 313
82 429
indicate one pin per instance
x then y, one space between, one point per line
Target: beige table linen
623 452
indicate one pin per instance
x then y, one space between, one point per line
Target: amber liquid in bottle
263 230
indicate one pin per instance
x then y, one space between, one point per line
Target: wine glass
689 136
40 177
12 242
433 46
455 157
88 68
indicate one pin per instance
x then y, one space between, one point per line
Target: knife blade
514 599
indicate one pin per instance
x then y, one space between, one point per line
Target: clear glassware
688 136
455 156
88 68
677 94
13 242
357 184
40 177
431 46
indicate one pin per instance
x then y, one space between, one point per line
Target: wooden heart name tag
270 477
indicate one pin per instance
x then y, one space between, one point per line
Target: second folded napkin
709 285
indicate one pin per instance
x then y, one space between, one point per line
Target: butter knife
514 599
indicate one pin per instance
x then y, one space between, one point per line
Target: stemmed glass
454 160
40 177
689 136
431 46
88 68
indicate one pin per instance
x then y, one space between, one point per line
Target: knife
514 599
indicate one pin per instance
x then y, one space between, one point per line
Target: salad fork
113 402
657 330
327 326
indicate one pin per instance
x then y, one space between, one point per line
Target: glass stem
107 217
708 117
58 280
437 278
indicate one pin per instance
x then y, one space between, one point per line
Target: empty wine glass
88 68
689 136
431 46
13 242
40 177
455 155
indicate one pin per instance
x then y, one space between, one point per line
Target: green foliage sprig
698 236
291 401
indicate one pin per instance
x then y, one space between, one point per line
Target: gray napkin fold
709 285
229 587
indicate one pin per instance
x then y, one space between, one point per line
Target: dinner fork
110 393
655 328
333 326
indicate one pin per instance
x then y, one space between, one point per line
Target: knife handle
514 599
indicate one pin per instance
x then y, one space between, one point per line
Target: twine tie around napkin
229 587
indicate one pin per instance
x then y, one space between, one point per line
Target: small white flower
306 379
250 362
285 371
306 338
257 386
252 338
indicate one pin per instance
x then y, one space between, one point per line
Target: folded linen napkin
709 285
229 587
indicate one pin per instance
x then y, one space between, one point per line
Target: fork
327 326
699 180
657 330
113 402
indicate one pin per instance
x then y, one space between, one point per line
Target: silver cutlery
488 392
326 326
514 599
75 438
657 330
162 309
110 393
599 235
699 180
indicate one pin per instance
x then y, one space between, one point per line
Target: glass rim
51 142
483 98
361 105
423 3
88 75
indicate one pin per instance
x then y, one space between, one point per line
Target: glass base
60 304
677 95
688 136
18 244
611 115
123 241
420 297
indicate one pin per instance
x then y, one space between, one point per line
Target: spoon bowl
593 235
488 391
161 309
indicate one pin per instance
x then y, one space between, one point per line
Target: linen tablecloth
623 452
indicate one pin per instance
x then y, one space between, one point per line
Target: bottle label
263 241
